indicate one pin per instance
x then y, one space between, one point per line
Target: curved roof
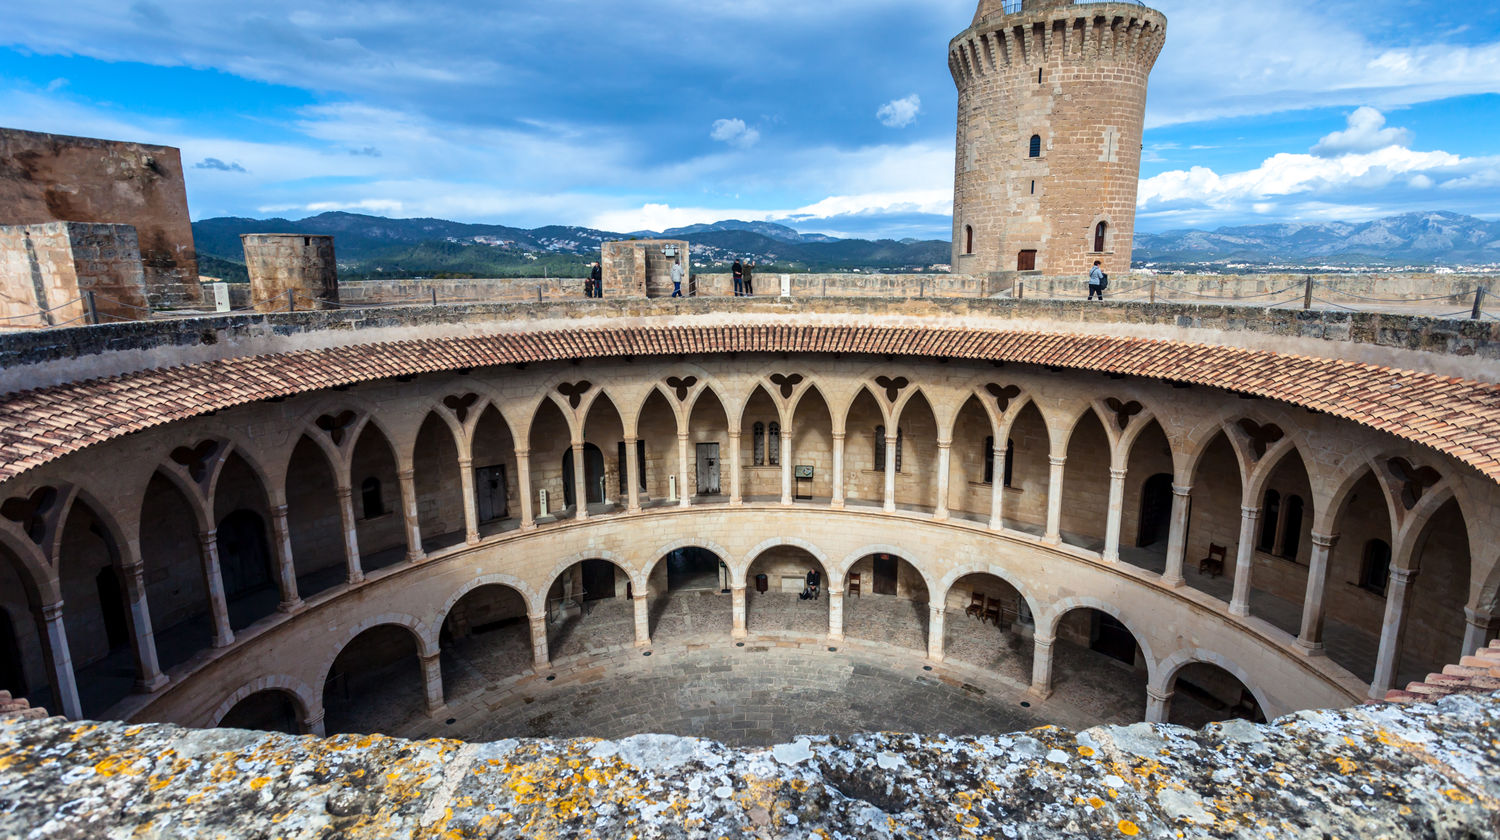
1455 416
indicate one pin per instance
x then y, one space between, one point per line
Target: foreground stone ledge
1372 772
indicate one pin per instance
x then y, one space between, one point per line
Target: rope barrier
42 311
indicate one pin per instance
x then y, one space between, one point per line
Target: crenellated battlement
1117 33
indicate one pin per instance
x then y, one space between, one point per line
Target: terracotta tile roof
17 708
1477 674
1454 416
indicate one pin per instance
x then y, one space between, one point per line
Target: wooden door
493 490
708 469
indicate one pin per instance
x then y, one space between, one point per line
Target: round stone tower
1051 107
291 271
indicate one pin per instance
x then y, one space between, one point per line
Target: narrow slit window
759 445
773 446
968 239
1101 232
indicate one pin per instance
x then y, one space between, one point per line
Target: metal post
539 293
921 288
1307 294
1020 289
434 295
825 287
94 308
291 300
1478 303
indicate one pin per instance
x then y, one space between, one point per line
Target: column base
435 712
1110 558
356 580
153 685
1040 693
472 539
997 525
837 504
1052 539
290 607
415 558
739 634
1174 583
935 658
941 516
1311 648
220 644
528 526
643 643
1239 610
835 637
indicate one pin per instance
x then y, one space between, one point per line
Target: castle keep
1051 107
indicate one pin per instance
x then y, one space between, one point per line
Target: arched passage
1435 621
485 638
175 586
1147 520
774 602
603 434
377 500
689 591
886 600
812 446
313 519
94 612
271 710
1098 662
1085 493
1214 520
989 623
1204 693
1030 446
1358 579
917 466
495 477
549 439
865 452
23 667
760 450
708 447
972 464
375 684
440 498
1279 576
246 564
589 607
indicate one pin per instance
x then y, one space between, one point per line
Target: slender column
738 595
471 501
642 621
836 615
935 616
685 491
213 581
149 677
945 461
1041 667
838 470
432 679
1158 705
1311 637
997 488
786 464
64 684
736 493
354 567
632 475
539 656
1388 661
523 485
1115 514
1244 561
286 569
580 485
408 480
1476 630
890 473
1054 501
1177 538
314 725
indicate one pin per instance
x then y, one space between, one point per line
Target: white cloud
1366 133
900 113
735 133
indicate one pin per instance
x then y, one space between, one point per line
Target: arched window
370 500
880 449
1036 145
1100 234
759 447
1375 569
1270 510
773 446
968 239
1291 528
988 456
899 441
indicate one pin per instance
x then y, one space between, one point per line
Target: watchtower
1051 109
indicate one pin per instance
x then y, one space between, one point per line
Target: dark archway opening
112 609
773 601
588 608
375 684
694 569
485 638
1204 694
593 475
245 563
1156 511
1097 662
272 710
12 670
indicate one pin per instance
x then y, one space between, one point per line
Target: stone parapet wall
1378 771
47 272
1395 288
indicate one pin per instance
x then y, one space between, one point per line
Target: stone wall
641 267
53 178
47 271
291 271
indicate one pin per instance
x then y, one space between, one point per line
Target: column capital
1183 490
839 435
681 435
1247 512
1158 695
406 475
1478 618
639 597
629 439
1117 475
209 538
135 569
577 445
1325 540
523 453
937 610
426 660
944 444
53 611
891 440
738 587
465 463
537 620
1403 576
1044 641
278 511
1058 462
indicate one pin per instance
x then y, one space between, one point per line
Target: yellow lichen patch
1086 752
1095 802
257 784
1458 796
1128 828
117 765
1345 765
1404 811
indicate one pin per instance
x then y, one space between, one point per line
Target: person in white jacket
1096 281
677 278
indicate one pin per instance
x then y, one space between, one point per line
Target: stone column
1244 562
935 616
1158 705
1041 667
580 484
64 684
149 677
523 487
286 569
738 595
408 480
838 471
432 678
1115 514
1311 637
890 472
1054 500
471 501
314 725
642 621
1388 661
213 582
354 567
1177 539
945 461
736 492
786 464
539 655
687 485
836 614
1476 630
632 476
997 489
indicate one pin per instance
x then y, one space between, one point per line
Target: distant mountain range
371 246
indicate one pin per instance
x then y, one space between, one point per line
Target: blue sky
832 116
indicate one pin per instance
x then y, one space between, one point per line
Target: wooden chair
992 611
854 584
976 606
1213 564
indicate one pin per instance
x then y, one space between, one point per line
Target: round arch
724 554
740 570
521 587
945 586
427 645
1060 610
842 569
1169 668
293 687
537 603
